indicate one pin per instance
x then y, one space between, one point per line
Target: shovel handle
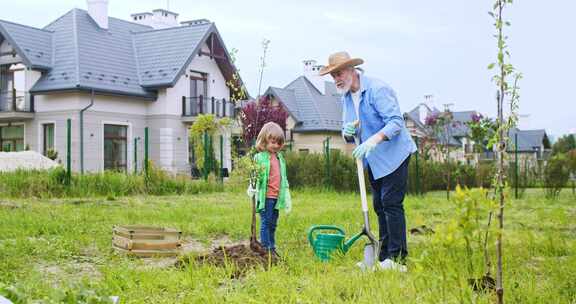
362 184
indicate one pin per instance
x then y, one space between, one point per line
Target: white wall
170 100
57 108
170 135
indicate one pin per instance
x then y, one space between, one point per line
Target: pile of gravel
26 160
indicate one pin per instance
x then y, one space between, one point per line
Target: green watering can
326 244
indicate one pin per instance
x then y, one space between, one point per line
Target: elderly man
385 147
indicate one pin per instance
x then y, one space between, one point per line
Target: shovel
255 245
372 248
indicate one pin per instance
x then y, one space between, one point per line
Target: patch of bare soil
238 256
421 230
484 284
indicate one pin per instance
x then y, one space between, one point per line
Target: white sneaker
388 264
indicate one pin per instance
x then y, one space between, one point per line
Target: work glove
288 201
366 147
349 129
251 192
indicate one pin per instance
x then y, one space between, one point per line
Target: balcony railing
16 101
194 106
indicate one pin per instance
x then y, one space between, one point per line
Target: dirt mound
421 230
239 256
484 284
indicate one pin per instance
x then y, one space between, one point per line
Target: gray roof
528 140
459 127
312 110
126 59
34 45
414 115
162 54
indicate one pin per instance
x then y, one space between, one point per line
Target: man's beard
346 87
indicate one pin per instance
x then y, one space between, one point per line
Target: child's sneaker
388 264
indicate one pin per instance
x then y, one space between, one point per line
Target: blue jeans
388 196
268 222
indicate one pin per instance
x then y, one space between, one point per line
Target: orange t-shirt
273 177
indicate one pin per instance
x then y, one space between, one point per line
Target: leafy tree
481 130
564 144
201 132
506 92
441 125
255 114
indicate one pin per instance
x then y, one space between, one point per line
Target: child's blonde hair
270 131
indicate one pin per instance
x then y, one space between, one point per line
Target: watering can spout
346 246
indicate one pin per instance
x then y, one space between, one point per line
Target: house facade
113 78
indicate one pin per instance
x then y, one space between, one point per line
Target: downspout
82 131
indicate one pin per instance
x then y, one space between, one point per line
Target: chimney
311 72
98 10
158 19
195 22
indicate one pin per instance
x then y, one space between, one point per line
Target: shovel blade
369 256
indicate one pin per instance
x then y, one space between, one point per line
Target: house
531 145
456 135
315 111
416 118
112 78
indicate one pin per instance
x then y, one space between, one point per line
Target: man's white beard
345 88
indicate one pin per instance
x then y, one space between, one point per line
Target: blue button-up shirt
379 112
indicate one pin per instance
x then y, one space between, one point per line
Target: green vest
263 161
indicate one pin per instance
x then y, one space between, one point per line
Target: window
12 138
199 87
115 147
12 87
48 137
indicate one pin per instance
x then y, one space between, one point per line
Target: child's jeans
268 221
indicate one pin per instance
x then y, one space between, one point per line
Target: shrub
556 175
51 183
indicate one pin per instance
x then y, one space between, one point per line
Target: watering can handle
322 227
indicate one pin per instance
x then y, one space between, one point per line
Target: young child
272 192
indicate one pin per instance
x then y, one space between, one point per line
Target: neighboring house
457 135
416 120
315 111
112 78
533 146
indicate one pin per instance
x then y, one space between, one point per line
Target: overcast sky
419 47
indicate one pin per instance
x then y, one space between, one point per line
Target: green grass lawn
59 250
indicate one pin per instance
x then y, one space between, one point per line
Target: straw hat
338 61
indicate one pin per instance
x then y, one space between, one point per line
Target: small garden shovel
255 245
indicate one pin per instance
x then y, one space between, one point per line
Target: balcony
194 106
16 105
